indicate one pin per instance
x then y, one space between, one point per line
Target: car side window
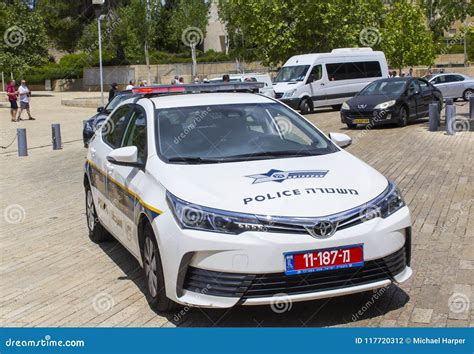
458 78
316 73
413 87
423 85
135 134
114 127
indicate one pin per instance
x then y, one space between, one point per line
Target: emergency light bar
199 88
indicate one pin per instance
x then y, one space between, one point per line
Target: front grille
247 286
359 114
278 94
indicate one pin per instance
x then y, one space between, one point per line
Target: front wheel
467 94
97 233
306 106
155 280
402 117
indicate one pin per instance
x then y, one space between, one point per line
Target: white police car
230 198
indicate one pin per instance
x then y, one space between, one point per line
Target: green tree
272 31
406 40
24 42
442 13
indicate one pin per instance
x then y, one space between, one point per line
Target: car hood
282 87
304 186
372 100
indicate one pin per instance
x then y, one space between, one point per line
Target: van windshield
292 73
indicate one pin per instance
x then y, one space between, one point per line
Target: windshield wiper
192 160
273 154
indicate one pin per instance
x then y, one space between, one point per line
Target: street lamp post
98 4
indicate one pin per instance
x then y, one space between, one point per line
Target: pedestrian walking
225 78
25 94
112 91
12 94
410 72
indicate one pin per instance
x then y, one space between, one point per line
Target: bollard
471 108
56 131
22 146
450 120
434 117
449 101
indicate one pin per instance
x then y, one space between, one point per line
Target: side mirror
341 140
124 156
100 109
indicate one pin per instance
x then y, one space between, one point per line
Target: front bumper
216 270
374 117
291 102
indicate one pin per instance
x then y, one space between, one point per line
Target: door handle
322 84
93 151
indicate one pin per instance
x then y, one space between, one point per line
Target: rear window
351 71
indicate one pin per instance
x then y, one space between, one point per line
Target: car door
111 135
413 97
317 86
441 84
108 137
425 98
126 180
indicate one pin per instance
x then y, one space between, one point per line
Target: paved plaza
52 275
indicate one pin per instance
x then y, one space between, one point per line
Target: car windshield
115 101
383 88
292 73
236 132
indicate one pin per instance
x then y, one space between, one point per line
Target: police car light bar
199 88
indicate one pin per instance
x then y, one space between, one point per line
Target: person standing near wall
24 93
12 98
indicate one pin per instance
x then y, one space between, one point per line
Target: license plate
361 121
324 259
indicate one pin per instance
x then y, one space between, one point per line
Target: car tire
154 278
351 126
336 107
306 106
97 232
467 93
402 117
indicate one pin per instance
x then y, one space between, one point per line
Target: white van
328 79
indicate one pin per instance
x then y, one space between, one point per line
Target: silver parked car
454 85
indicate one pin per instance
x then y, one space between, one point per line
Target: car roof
208 99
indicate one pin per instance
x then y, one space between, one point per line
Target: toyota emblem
322 229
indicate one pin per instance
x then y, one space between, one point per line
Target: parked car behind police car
234 198
454 85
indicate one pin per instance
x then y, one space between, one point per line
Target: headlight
385 105
386 204
345 106
289 93
197 217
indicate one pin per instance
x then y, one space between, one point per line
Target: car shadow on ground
344 310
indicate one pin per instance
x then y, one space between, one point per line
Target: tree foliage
24 42
406 40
